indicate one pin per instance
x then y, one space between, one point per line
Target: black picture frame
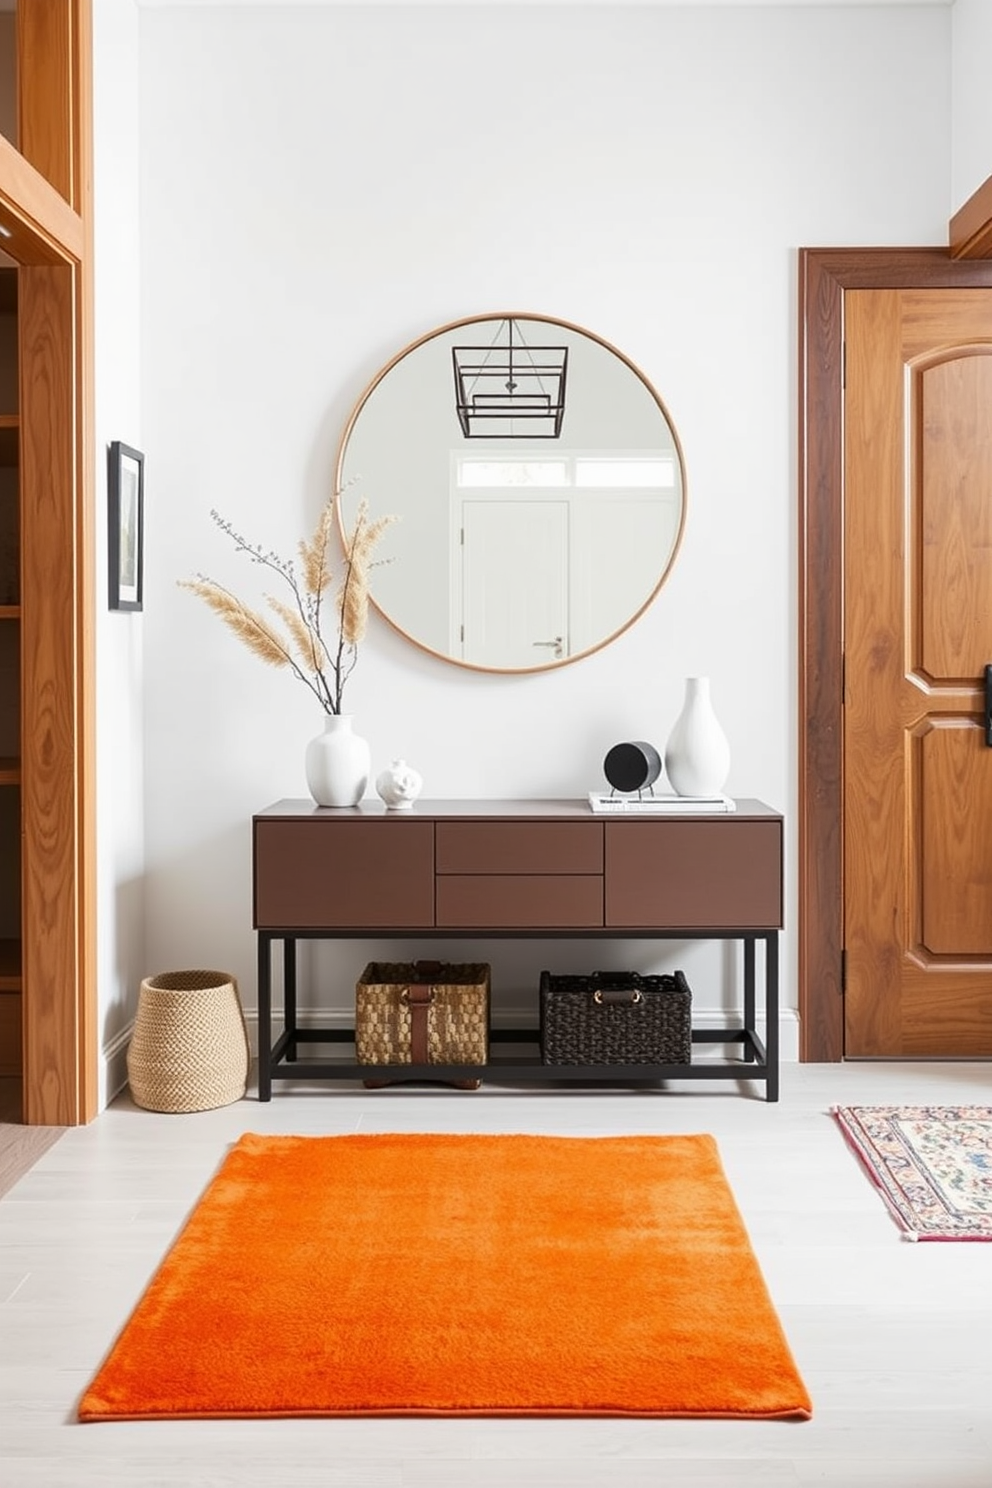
125 526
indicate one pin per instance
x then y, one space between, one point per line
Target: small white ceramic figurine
399 786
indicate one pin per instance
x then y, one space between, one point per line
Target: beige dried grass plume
324 668
353 596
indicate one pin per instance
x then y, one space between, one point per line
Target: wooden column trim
87 1029
48 706
46 44
43 226
824 276
49 188
970 230
50 238
820 633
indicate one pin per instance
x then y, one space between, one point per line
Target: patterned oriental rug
455 1275
932 1165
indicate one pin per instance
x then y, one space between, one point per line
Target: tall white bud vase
697 755
338 762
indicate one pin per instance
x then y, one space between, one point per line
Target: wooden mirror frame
567 326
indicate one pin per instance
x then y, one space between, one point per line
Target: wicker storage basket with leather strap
422 1012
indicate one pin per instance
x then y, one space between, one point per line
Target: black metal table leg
749 1051
289 992
264 1016
771 1014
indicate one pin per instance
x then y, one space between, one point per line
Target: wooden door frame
825 274
46 214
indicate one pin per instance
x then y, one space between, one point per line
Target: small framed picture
126 525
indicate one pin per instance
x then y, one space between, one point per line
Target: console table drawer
319 873
520 901
694 873
519 847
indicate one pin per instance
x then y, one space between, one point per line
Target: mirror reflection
539 484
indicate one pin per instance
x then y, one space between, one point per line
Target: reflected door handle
988 706
557 644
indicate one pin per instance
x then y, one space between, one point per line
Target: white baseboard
788 1031
113 1066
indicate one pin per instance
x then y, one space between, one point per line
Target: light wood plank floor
894 1339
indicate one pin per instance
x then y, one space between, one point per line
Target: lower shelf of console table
514 1053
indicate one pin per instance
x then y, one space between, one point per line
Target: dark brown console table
514 869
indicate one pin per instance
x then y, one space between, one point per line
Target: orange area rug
457 1275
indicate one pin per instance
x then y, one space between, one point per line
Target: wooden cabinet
516 868
10 685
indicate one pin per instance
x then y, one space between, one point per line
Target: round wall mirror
539 483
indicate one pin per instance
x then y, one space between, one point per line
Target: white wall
119 635
971 102
319 187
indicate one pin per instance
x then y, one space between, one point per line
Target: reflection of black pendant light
510 392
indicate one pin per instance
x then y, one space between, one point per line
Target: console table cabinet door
322 874
697 874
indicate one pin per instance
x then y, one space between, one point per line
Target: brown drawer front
519 847
520 901
322 873
721 874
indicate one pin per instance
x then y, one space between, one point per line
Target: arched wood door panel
917 635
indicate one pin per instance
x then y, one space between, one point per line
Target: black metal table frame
280 1059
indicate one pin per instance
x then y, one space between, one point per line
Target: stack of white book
663 804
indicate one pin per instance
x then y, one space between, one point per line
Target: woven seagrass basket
456 1019
189 1050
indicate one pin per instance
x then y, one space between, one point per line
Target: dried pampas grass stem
323 668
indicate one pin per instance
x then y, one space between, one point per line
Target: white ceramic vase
338 762
697 755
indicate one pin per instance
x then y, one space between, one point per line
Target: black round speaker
632 767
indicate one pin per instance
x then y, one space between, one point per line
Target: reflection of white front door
512 591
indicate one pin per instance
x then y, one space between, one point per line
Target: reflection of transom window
615 472
512 473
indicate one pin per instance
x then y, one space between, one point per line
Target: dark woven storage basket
616 1018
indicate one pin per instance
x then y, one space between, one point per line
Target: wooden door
917 639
